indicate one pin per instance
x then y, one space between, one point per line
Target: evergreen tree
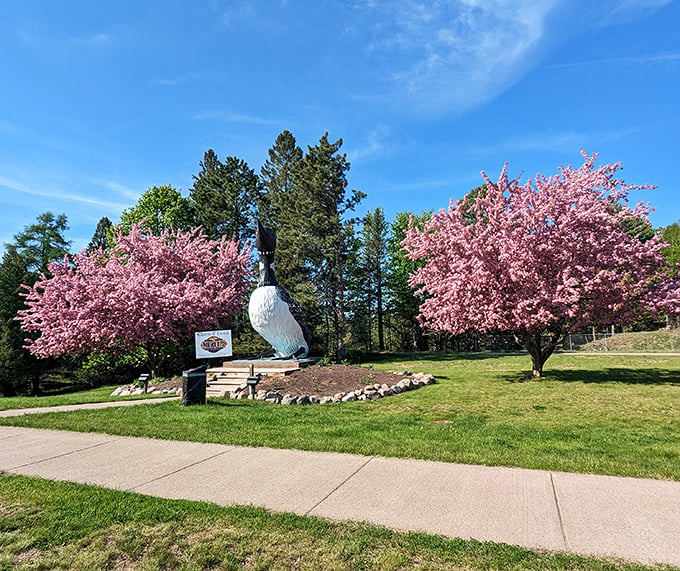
277 176
42 242
404 304
369 280
99 239
324 234
15 363
159 208
26 258
227 197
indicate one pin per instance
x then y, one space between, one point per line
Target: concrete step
262 364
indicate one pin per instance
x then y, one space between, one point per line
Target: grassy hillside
662 341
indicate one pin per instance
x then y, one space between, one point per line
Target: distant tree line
350 274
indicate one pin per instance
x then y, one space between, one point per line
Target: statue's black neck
267 276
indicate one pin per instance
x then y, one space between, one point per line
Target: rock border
134 390
369 392
375 391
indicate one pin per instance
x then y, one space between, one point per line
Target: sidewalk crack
133 488
559 514
338 486
61 455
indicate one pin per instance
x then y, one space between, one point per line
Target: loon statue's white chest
270 315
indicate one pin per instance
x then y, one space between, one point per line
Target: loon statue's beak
265 240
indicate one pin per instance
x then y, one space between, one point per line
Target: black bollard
194 385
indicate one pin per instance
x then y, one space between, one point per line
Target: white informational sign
212 344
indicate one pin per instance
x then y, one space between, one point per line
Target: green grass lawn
102 394
56 525
593 413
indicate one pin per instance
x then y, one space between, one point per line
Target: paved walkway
87 406
630 518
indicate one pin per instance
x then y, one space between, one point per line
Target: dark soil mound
327 380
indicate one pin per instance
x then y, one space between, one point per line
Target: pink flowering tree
146 292
540 260
665 299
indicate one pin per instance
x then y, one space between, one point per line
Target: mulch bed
327 380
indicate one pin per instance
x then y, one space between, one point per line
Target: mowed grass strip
101 394
56 525
617 415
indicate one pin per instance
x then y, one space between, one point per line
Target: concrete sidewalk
630 518
85 406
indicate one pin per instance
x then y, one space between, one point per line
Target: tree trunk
153 361
420 339
35 385
379 309
539 354
7 388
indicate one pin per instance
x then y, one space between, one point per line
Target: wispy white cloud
373 146
434 183
566 142
637 7
92 40
42 40
454 55
18 186
124 191
190 77
237 12
231 117
626 60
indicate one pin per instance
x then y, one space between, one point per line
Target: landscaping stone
367 392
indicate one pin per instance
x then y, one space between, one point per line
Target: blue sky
101 100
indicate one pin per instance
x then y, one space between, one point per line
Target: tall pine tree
99 238
25 259
16 364
404 303
316 217
227 197
368 308
276 175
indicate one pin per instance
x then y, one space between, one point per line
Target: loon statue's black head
265 241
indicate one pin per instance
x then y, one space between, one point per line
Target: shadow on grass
226 402
618 375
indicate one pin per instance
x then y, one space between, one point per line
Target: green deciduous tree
159 208
671 235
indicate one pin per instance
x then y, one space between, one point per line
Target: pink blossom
546 257
149 291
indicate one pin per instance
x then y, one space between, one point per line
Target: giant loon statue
273 312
